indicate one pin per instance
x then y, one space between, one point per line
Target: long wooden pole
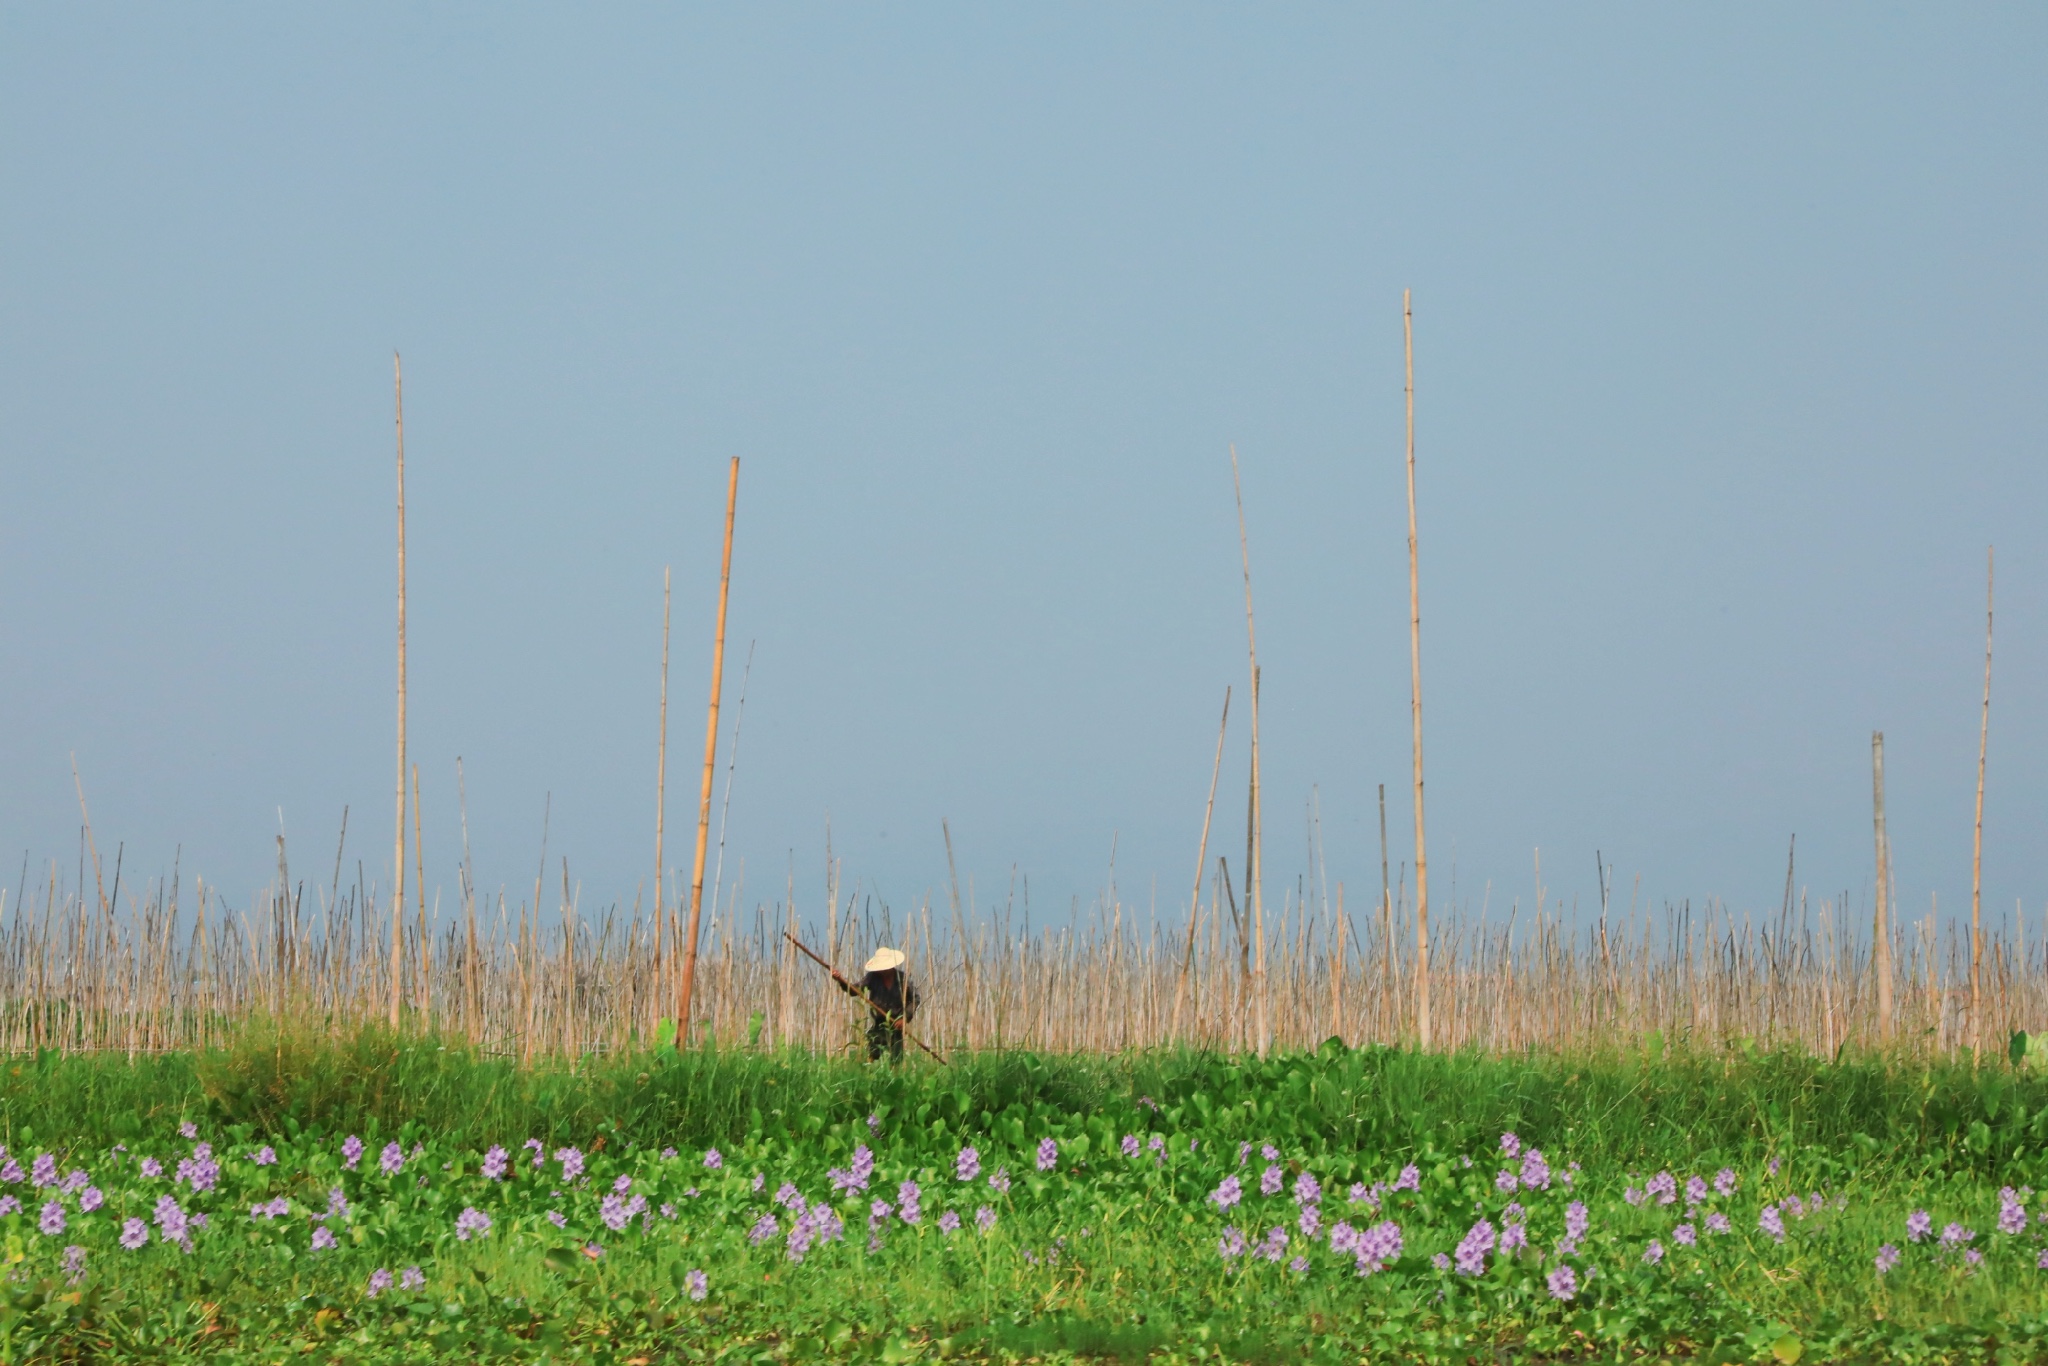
732 493
1180 986
398 842
660 798
1254 873
1881 930
1977 852
1415 699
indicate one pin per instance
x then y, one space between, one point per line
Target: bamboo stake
732 493
398 841
1422 1029
660 797
1881 934
1253 872
1180 987
1977 850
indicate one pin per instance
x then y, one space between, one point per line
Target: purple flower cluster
847 1180
496 1160
968 1165
1048 1154
471 1223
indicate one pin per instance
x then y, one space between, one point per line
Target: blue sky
1731 329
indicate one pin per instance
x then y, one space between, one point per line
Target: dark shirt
893 992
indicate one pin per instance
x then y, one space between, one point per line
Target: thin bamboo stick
732 492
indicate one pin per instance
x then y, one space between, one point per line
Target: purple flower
74 1264
1311 1220
572 1162
1724 1181
558 1219
1131 1146
134 1233
949 1223
1664 1186
613 1211
1048 1154
1564 1283
1887 1258
697 1283
1576 1219
623 1184
1918 1225
413 1279
1231 1244
1410 1178
392 1159
1513 1238
713 1159
150 1168
1299 1266
1684 1235
1307 1190
1441 1262
1269 1181
90 1199
1771 1222
1798 1210
1377 1246
189 1129
351 1153
1269 1152
1535 1171
968 1165
1505 1181
538 1149
668 1211
9 1205
1654 1253
266 1156
1717 1222
874 1124
1772 1166
323 1238
73 1180
1955 1235
1695 1189
52 1221
984 1219
1000 1181
2042 1264
496 1160
764 1228
472 1221
1510 1145
1473 1247
791 1199
906 1203
1228 1193
2012 1215
380 1281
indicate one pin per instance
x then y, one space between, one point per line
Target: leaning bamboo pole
1180 986
1422 1030
732 493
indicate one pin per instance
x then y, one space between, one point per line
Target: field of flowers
1216 1214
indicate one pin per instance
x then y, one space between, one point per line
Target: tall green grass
1905 1115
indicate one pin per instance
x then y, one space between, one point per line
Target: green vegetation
1157 1227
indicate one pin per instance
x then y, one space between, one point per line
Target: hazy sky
1732 358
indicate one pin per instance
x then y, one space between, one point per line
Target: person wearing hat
892 1001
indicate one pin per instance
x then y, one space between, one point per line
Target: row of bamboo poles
179 971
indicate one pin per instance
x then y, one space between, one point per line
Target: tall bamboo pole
660 798
732 493
1180 986
1415 698
398 840
1977 852
1881 930
1254 873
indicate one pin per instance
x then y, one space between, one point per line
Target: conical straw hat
884 960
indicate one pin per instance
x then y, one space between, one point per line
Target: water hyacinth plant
1237 1204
